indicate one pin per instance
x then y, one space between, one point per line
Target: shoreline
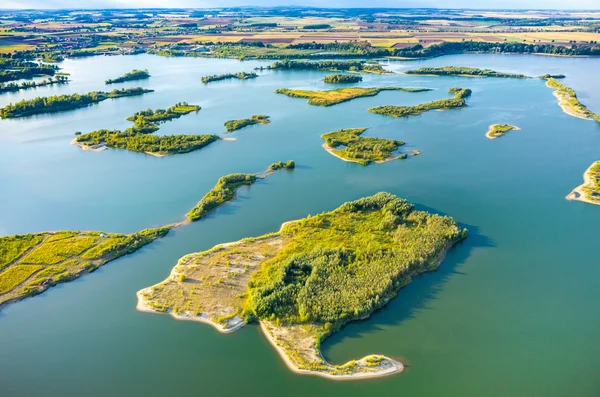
564 105
578 194
85 147
491 129
331 151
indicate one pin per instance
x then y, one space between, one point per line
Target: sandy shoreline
83 146
578 194
331 151
491 129
564 105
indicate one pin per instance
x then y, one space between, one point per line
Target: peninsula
339 95
498 130
308 280
464 71
135 74
32 263
568 101
460 94
59 103
239 76
358 149
234 125
589 192
12 86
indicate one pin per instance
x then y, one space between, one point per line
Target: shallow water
512 310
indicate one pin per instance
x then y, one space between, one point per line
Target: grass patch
333 97
405 111
15 275
362 150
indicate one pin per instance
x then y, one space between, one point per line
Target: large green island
362 150
589 191
463 71
51 104
333 97
310 278
460 94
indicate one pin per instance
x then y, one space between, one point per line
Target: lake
512 311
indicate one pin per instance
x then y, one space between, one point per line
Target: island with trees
32 263
282 165
309 279
135 74
498 130
59 103
359 149
589 191
350 66
13 87
460 94
568 101
146 121
339 95
463 71
234 125
342 78
16 68
226 76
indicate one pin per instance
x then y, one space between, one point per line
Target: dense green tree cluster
352 66
288 165
239 76
463 71
12 86
404 111
363 150
135 74
64 102
317 26
16 69
342 78
223 192
234 125
146 121
552 76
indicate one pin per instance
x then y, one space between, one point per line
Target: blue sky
530 4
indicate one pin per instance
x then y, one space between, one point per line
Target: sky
503 4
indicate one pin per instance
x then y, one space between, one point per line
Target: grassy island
351 66
404 111
139 139
308 280
224 190
358 149
333 97
464 71
342 78
32 263
12 86
589 192
568 101
498 130
135 74
234 125
59 103
239 76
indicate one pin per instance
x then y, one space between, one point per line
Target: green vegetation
464 71
12 86
138 138
59 103
16 69
233 125
312 277
404 111
363 150
31 263
352 66
498 130
552 76
280 165
239 76
333 97
568 101
342 78
317 26
591 188
135 74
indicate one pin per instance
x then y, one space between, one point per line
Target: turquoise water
512 311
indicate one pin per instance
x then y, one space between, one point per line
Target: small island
568 101
59 103
135 74
460 94
234 125
498 130
589 192
351 66
339 95
464 71
311 278
146 121
282 165
552 76
239 76
342 78
362 150
32 263
12 86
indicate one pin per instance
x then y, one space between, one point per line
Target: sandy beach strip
578 194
